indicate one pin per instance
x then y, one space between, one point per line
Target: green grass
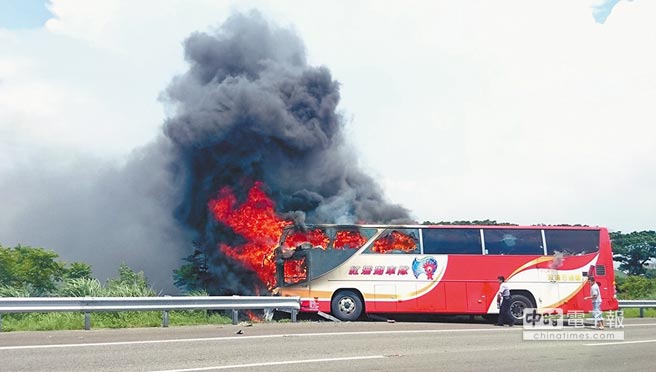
126 319
635 313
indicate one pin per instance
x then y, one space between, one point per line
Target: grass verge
635 313
126 319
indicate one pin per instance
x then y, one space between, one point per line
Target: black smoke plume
251 109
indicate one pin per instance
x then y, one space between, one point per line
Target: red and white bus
352 270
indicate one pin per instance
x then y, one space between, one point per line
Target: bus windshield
327 245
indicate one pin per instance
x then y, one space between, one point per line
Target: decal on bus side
426 266
378 270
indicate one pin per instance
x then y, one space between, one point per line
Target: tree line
36 272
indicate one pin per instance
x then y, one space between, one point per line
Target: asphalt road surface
325 346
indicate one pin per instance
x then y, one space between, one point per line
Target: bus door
294 270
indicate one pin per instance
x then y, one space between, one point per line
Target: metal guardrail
641 304
164 304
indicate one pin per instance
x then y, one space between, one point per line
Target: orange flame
295 271
256 221
253 317
394 241
315 237
349 240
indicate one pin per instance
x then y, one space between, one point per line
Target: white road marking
236 338
266 364
620 343
639 325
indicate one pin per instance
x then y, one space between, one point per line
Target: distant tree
36 271
194 275
636 288
7 267
634 250
78 270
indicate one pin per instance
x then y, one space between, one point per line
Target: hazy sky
520 111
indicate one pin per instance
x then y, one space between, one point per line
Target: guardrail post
87 320
642 312
0 322
165 318
235 317
294 312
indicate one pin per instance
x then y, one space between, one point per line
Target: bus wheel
517 305
346 305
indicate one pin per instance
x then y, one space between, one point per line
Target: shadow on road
428 318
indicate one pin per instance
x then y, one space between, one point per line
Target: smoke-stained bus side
350 270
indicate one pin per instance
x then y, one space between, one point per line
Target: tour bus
353 270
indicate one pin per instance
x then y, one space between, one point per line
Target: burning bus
352 270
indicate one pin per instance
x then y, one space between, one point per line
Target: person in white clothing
503 303
595 295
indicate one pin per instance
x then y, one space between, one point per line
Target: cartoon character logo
427 265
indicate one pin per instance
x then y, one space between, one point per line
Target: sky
514 111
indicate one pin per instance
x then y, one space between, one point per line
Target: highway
324 346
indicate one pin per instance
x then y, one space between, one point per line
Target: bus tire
517 305
346 305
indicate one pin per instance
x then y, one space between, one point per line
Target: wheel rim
517 309
346 305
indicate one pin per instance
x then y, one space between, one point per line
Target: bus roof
415 226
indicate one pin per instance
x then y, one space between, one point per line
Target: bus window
451 241
315 238
396 241
572 242
513 241
351 239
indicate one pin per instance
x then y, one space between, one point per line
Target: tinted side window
451 241
572 242
513 241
